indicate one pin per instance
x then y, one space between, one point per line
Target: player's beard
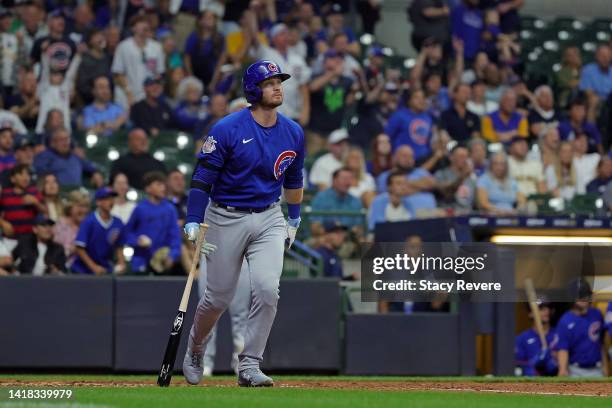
271 103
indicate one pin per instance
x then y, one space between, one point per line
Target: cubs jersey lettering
253 162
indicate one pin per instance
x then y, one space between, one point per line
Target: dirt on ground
602 389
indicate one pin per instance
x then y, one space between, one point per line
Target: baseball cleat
192 367
253 377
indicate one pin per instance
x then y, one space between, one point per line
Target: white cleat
192 367
253 377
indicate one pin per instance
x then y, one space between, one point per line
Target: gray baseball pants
238 310
260 238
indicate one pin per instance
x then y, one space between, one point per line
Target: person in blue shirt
153 225
103 117
531 358
608 319
59 159
334 237
497 192
393 205
246 162
101 236
412 126
335 25
190 109
580 333
467 23
420 182
337 198
596 77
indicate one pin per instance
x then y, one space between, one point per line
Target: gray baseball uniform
260 238
239 312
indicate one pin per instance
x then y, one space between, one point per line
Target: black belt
245 209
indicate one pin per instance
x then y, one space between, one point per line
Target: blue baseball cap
331 53
150 80
376 52
333 226
105 192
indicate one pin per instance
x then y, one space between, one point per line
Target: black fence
122 324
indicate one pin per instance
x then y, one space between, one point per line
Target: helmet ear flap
252 92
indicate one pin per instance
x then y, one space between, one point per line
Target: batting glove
292 227
191 231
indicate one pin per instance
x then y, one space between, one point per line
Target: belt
245 209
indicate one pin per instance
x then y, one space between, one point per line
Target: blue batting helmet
255 74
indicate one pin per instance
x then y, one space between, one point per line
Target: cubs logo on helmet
283 161
272 67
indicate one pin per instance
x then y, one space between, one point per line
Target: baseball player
245 161
239 312
530 357
580 331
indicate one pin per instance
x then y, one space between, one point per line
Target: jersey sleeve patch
209 145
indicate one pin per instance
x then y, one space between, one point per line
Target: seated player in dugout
532 357
580 332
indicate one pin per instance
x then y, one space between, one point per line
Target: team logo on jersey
113 235
272 68
419 131
594 329
282 162
209 145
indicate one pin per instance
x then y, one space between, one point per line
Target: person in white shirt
528 174
12 52
55 90
478 104
364 186
123 206
296 103
561 175
323 168
10 119
34 26
584 163
136 59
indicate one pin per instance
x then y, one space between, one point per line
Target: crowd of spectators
461 132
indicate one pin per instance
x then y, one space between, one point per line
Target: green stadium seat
601 24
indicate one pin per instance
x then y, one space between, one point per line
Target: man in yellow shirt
502 125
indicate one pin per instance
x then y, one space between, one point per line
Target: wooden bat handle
194 267
535 311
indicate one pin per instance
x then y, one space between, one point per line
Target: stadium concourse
105 105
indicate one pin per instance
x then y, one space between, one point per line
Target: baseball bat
167 367
535 311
